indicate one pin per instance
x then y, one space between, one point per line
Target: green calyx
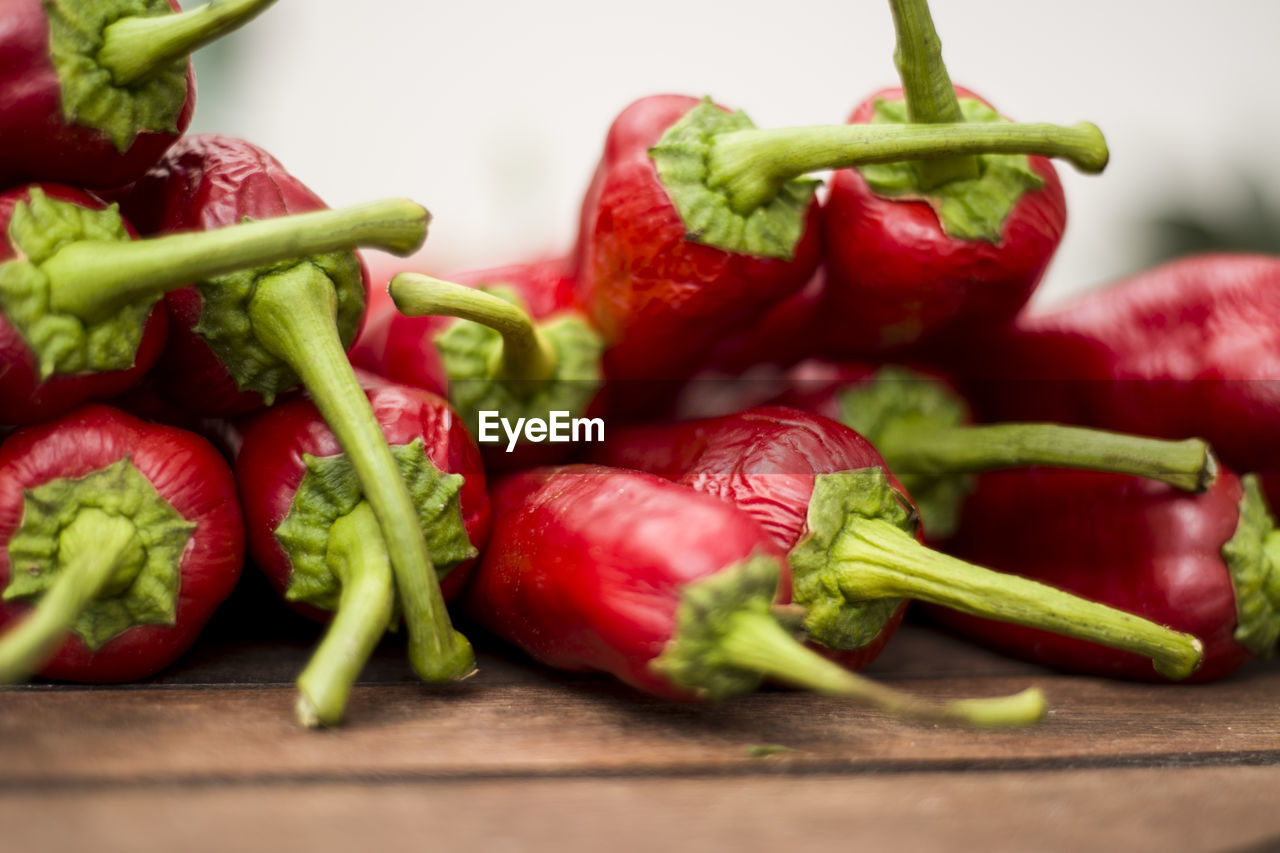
62 342
839 501
472 355
225 326
90 96
143 589
330 490
1253 559
968 209
771 230
707 614
896 397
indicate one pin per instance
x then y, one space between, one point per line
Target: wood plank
1133 810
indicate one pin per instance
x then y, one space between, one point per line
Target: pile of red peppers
197 370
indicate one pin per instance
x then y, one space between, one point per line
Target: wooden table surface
207 757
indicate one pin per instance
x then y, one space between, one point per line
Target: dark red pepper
824 494
303 503
92 92
237 341
521 348
599 569
1208 564
923 428
695 224
125 533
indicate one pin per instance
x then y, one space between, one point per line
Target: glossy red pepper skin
1137 545
663 302
187 472
586 566
269 467
763 461
36 141
205 182
24 398
896 280
1188 348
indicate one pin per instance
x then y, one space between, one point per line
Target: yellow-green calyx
968 208
330 490
142 589
62 342
1253 558
90 95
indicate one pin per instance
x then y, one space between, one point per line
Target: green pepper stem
755 642
927 88
93 279
528 359
357 556
750 166
875 559
293 316
93 549
137 47
927 450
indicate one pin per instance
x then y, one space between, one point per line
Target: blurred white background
493 114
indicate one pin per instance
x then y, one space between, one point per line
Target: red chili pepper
315 536
671 591
94 91
824 494
1208 564
694 225
124 533
522 348
78 315
923 428
237 341
1186 348
918 252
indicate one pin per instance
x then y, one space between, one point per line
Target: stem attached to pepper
756 642
528 359
97 551
750 166
92 279
358 557
875 559
927 88
293 316
137 47
926 449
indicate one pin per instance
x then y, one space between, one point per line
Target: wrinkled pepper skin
661 301
205 182
896 280
762 461
36 142
586 566
24 398
187 472
1188 348
269 468
1135 544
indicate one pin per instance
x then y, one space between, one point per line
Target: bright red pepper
78 295
125 533
695 225
92 92
923 428
523 349
1208 564
297 486
669 590
239 340
824 494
